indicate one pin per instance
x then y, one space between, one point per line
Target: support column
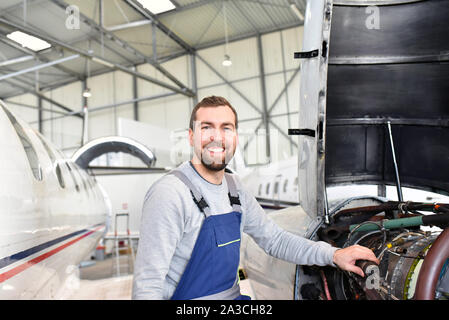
194 84
285 84
101 23
39 99
265 115
153 41
85 115
135 97
39 115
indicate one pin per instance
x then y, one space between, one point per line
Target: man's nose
216 135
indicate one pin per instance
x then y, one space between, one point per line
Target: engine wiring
381 229
398 241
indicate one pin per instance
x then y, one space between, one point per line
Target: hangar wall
242 87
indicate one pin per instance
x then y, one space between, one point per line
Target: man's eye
205 127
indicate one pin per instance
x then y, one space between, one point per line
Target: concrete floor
100 281
107 268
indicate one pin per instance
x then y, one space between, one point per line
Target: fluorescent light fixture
25 40
296 11
157 6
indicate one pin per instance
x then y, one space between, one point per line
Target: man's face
214 138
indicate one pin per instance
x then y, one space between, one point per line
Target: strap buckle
234 200
201 204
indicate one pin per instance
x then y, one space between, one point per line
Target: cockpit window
83 178
285 185
33 160
54 160
59 175
77 187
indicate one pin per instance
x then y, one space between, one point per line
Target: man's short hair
211 101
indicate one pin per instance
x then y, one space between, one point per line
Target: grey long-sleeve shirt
171 222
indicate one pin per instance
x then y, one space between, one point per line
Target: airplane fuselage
52 213
275 186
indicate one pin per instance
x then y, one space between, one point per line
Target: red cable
326 288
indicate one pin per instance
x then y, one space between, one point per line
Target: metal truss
122 43
91 56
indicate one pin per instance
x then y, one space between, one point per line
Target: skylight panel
28 41
157 6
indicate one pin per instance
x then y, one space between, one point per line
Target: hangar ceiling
120 34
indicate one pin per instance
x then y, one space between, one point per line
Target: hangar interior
112 83
183 49
139 74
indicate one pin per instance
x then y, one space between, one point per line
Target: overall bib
212 271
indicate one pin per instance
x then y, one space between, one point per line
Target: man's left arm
287 246
280 243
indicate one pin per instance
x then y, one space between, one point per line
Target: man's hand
345 258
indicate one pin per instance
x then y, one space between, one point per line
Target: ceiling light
87 93
227 61
158 6
25 40
296 11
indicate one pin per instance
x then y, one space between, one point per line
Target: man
193 218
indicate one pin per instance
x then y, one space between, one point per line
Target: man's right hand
346 258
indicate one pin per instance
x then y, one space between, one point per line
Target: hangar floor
99 281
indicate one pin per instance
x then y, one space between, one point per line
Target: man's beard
210 163
214 166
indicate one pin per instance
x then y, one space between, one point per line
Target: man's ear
191 137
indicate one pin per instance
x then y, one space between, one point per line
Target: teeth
216 149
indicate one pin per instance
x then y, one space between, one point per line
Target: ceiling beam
92 56
38 56
283 90
38 67
248 35
128 25
111 36
33 107
40 95
108 106
150 16
218 74
16 60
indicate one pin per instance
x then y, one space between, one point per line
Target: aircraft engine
414 262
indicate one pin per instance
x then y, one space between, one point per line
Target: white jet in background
275 185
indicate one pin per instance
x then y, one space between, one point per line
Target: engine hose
431 267
326 287
440 220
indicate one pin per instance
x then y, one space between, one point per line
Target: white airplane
345 137
275 185
52 214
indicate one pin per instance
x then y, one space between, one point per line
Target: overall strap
233 194
196 195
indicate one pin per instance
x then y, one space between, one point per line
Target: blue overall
212 271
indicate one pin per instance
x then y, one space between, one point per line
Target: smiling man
194 216
213 135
